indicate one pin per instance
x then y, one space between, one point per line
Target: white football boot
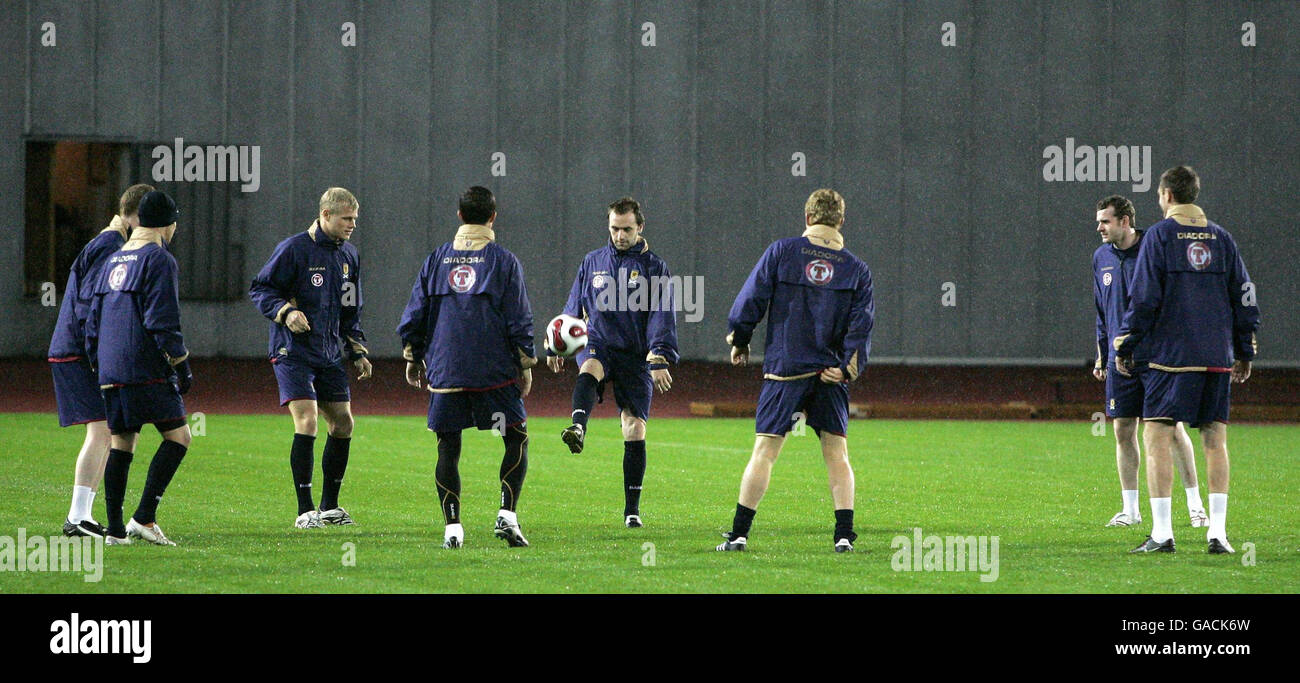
153 534
308 520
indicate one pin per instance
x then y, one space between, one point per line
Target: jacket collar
825 236
120 226
1133 249
1187 214
640 247
319 237
144 236
472 237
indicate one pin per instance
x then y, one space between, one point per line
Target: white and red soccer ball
566 335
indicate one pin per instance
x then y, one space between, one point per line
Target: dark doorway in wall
71 194
72 188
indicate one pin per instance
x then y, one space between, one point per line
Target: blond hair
826 207
336 199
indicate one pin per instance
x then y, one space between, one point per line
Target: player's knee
767 448
1125 429
594 368
633 429
1214 436
341 426
123 442
98 438
181 436
305 424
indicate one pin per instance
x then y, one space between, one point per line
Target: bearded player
624 292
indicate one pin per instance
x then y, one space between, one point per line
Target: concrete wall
938 149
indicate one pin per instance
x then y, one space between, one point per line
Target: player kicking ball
818 301
623 292
310 290
467 336
76 386
133 337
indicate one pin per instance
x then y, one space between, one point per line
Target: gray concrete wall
938 149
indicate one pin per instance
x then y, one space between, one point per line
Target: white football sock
1194 499
454 530
1218 517
82 497
1131 503
509 516
1162 529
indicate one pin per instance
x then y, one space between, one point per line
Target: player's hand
525 382
184 377
740 355
832 375
663 381
364 369
297 322
415 374
1240 371
555 363
1099 374
1124 365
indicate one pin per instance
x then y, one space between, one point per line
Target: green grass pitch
1044 489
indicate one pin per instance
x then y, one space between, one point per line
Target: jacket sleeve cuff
738 340
850 368
356 349
284 312
526 361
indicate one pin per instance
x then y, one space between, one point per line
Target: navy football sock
301 459
115 474
333 463
514 466
584 398
447 475
844 525
161 470
633 476
744 518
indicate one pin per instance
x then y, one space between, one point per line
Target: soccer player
76 387
623 290
1112 271
467 334
311 292
133 338
821 310
1192 319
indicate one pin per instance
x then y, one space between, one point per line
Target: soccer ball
566 335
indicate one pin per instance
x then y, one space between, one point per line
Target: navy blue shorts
630 374
1197 398
327 383
824 407
1124 395
76 388
132 406
496 408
